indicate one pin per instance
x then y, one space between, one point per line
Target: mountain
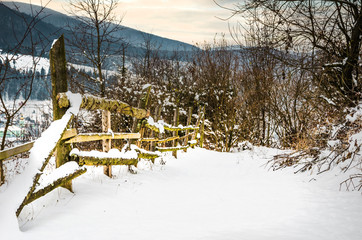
13 26
133 37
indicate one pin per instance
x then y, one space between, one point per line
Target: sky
191 21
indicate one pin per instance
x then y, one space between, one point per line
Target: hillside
131 36
13 25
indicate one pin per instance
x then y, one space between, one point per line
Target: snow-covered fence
58 139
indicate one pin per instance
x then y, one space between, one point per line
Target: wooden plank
169 149
168 139
69 133
171 128
149 140
90 102
59 182
37 176
95 161
89 137
15 150
148 155
185 136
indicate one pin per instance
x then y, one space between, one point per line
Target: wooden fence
146 145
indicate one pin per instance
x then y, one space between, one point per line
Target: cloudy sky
191 21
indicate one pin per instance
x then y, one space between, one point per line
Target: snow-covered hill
201 195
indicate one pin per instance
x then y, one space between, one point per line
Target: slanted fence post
175 133
58 73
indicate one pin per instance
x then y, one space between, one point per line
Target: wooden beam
171 128
37 176
90 102
69 133
89 137
149 140
15 150
169 149
59 182
185 136
95 161
148 155
168 139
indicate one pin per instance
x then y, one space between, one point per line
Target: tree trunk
7 124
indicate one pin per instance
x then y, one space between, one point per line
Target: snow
147 85
201 195
356 114
54 41
18 189
141 150
26 62
112 153
159 124
328 100
61 172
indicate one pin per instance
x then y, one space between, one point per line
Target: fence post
202 128
194 135
187 124
153 134
175 133
106 143
58 73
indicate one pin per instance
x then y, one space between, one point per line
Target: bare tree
27 42
330 31
215 71
96 38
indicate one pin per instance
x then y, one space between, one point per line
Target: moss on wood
170 149
90 102
37 176
170 128
95 161
59 182
101 136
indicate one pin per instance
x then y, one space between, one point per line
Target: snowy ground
200 195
